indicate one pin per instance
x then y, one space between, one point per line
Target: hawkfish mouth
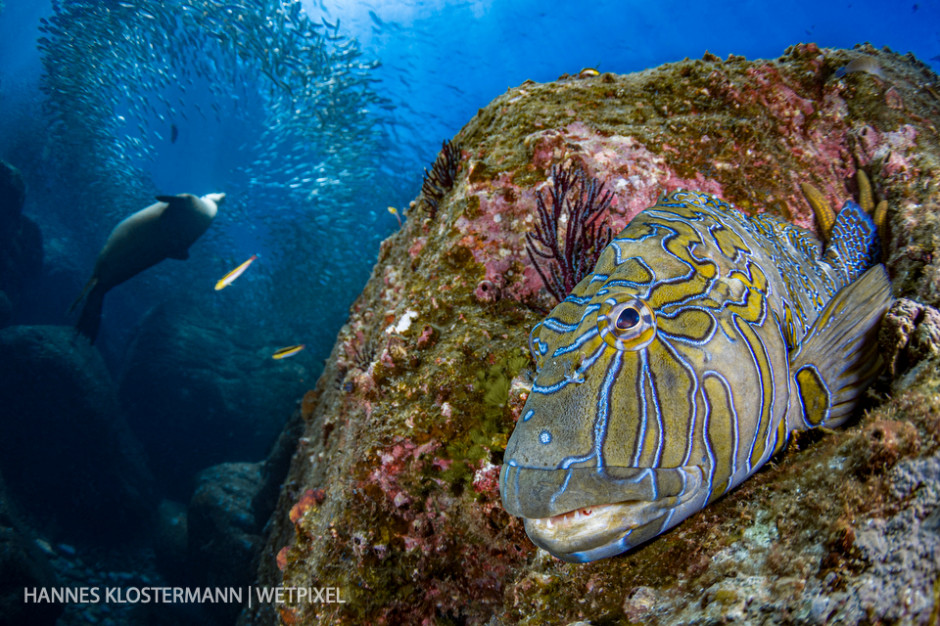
585 513
598 531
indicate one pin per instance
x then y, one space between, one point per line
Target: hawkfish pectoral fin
839 356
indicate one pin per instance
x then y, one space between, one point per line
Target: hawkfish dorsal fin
854 245
821 210
839 356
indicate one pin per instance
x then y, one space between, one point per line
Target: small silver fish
682 363
861 64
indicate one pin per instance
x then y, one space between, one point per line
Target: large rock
12 196
224 532
22 566
232 501
392 495
68 456
6 310
46 298
199 392
170 540
20 242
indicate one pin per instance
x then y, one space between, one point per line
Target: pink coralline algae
406 430
486 479
392 463
635 175
781 101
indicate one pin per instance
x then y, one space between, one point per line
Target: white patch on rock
404 323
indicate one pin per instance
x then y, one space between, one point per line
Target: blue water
103 113
457 56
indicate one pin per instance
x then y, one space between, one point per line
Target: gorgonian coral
442 176
563 259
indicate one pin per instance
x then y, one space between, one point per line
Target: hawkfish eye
627 319
627 324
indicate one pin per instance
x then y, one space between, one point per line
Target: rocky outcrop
12 196
198 394
217 539
60 411
22 566
224 533
392 494
20 242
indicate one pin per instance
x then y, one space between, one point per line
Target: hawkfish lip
537 493
590 529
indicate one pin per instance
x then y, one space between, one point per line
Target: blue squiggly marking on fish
650 411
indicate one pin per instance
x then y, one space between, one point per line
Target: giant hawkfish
671 373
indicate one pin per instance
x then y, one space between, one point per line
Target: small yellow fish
394 212
283 353
229 278
588 72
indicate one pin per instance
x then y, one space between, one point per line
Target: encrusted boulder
12 196
187 375
392 495
22 566
224 532
60 410
20 242
170 541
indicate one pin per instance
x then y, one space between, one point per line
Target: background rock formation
188 373
392 494
20 242
60 410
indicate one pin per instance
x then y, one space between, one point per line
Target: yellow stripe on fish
229 278
670 374
283 353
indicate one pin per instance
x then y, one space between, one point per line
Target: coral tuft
310 499
576 205
442 176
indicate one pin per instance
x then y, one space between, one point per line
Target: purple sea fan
442 176
562 261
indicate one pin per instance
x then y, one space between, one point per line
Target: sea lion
164 230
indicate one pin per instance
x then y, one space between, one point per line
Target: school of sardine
125 79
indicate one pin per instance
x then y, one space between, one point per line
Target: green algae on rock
405 441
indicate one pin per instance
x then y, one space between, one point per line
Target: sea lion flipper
87 288
180 255
90 318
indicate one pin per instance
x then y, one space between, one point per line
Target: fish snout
541 492
217 198
588 513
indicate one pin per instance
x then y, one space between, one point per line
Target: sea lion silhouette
164 230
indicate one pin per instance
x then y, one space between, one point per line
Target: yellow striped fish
675 370
229 278
283 353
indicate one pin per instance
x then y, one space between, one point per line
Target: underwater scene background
156 455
